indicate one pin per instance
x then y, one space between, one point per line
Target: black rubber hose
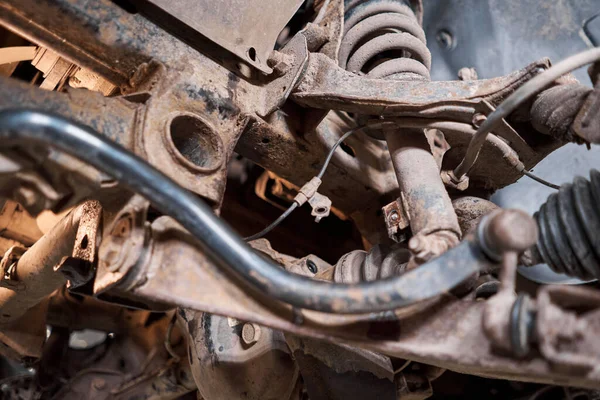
569 224
220 242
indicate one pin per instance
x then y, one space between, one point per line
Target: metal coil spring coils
383 39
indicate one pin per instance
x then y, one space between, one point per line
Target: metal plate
247 28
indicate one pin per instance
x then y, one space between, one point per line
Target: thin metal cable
337 144
273 224
294 205
540 180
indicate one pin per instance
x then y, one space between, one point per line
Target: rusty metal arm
449 335
326 85
433 220
113 117
516 99
16 54
32 275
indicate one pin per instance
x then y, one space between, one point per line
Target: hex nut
250 333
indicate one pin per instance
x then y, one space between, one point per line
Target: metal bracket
565 328
278 90
123 245
396 219
321 206
238 26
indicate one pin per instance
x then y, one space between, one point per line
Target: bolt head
250 333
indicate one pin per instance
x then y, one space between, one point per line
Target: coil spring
569 224
383 39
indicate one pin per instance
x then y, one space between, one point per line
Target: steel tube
430 209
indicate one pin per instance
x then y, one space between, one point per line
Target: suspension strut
383 39
569 226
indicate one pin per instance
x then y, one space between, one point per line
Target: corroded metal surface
192 84
229 363
353 181
432 219
237 25
36 273
327 85
185 108
449 334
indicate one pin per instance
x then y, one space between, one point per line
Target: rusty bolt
281 68
467 74
394 216
451 181
250 333
507 230
280 63
478 119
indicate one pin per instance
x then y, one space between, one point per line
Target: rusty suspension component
368 42
554 110
433 221
67 249
451 334
516 324
509 105
217 238
380 262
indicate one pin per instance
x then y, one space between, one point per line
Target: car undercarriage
299 200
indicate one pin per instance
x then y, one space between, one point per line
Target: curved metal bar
225 246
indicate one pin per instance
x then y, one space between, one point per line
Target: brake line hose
220 242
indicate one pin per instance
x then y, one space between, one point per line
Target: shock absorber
569 226
383 39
